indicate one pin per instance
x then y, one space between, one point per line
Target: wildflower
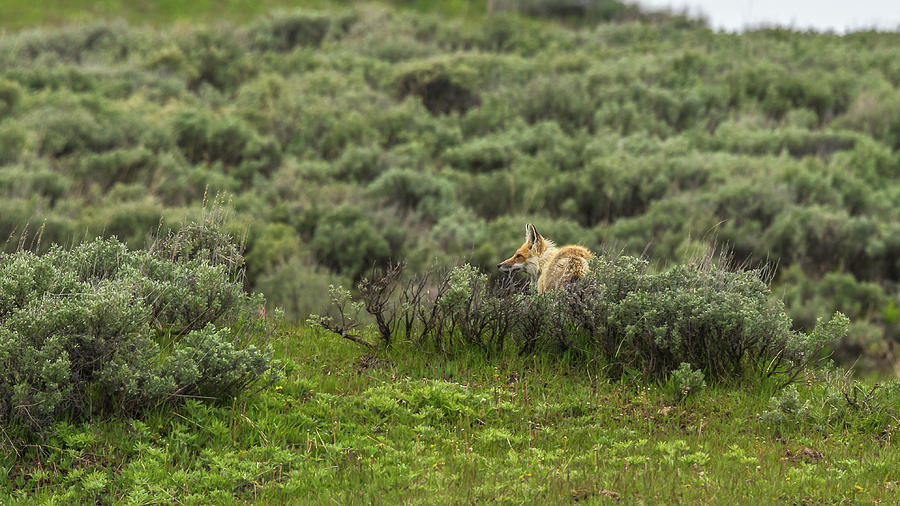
857 487
279 387
687 485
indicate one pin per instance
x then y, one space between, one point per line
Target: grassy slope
408 427
18 14
413 428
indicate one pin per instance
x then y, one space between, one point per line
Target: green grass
18 14
410 427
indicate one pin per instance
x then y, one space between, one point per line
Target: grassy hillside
344 136
418 428
352 136
19 14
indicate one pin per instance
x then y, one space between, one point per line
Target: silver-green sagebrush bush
830 400
104 327
719 323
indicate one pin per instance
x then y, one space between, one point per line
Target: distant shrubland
353 136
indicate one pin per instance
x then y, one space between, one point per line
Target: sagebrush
719 320
99 326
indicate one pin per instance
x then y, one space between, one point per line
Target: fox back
551 268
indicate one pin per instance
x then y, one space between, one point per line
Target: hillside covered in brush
348 136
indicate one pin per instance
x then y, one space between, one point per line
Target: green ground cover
347 135
18 14
408 427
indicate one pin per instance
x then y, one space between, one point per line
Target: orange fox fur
550 267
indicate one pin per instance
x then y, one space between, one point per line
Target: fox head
527 257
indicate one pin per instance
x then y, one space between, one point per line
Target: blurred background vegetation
350 134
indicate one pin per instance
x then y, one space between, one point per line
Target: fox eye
519 255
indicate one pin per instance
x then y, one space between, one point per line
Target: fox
550 267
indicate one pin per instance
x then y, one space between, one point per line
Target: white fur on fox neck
535 265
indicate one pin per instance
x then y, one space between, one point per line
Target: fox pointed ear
532 236
530 233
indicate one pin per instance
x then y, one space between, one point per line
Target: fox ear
530 233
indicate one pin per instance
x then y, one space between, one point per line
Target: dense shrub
103 42
443 85
104 326
483 154
283 31
684 382
702 316
69 127
347 241
20 181
243 152
12 140
719 321
216 59
433 197
10 96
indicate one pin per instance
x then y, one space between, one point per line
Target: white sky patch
839 16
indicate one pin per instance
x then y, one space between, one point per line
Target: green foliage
12 140
345 425
684 382
788 408
431 131
242 152
104 326
432 197
10 96
723 322
283 31
443 85
837 402
346 240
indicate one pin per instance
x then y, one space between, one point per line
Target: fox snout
505 267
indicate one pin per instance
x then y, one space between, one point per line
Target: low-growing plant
703 315
346 320
684 382
101 326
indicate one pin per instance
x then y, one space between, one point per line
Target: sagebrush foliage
684 382
722 322
101 326
362 134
